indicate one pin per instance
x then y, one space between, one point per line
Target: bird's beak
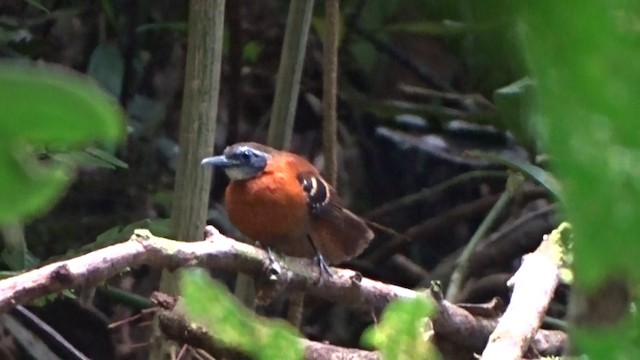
218 161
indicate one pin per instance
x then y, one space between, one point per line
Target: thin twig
462 268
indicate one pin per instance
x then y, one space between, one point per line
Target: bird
281 201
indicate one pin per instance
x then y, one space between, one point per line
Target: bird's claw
325 270
271 255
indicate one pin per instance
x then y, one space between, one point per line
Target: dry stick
330 90
197 131
533 287
461 271
289 73
346 287
197 124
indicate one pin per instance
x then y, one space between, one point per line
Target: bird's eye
246 155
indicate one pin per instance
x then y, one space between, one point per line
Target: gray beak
218 161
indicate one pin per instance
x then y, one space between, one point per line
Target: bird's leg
270 254
324 268
272 257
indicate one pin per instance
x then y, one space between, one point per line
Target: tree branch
346 287
533 287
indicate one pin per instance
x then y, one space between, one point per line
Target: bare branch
346 287
533 287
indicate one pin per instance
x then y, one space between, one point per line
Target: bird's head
241 161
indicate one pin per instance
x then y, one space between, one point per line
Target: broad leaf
46 105
210 304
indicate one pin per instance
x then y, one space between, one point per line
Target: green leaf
589 123
251 52
374 14
587 87
106 158
19 260
209 304
109 10
159 227
46 105
515 103
90 157
318 25
403 332
533 172
429 28
106 65
36 4
365 54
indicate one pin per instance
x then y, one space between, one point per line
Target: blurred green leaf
46 105
110 12
403 331
16 261
587 85
251 52
588 100
318 25
118 234
365 54
209 304
374 14
619 342
106 65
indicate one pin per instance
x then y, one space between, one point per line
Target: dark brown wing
337 233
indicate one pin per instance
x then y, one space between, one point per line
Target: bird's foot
325 270
271 255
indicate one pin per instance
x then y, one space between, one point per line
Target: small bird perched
280 200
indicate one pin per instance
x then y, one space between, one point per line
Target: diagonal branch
533 288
